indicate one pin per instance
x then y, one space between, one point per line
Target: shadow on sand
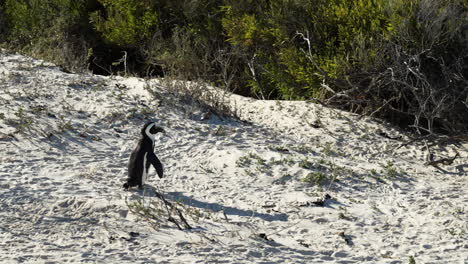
150 191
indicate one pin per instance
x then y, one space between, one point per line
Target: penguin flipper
156 164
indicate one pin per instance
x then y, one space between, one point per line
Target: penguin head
150 130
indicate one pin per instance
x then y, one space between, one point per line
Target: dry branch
443 161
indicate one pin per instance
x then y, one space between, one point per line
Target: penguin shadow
150 191
216 207
332 203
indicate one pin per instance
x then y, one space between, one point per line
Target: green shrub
51 29
315 178
126 22
279 60
403 60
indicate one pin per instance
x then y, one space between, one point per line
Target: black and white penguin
142 156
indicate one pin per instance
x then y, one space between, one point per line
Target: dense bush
125 22
404 60
420 76
52 29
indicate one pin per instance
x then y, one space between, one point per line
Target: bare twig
179 213
310 56
443 161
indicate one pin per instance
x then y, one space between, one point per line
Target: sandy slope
246 187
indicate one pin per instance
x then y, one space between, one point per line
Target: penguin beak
164 132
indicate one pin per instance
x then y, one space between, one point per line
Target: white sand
61 176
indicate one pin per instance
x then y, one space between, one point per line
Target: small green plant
64 125
338 170
244 161
249 172
389 170
220 131
315 178
458 211
343 216
411 260
327 149
146 111
260 161
24 121
306 164
456 233
289 160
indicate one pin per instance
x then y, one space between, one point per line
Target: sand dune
247 186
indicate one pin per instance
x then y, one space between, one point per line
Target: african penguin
142 156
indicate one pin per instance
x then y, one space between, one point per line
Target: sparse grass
289 160
25 66
325 166
279 105
278 148
37 109
338 170
304 149
146 111
158 211
154 214
119 95
458 211
244 161
247 160
142 112
205 168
